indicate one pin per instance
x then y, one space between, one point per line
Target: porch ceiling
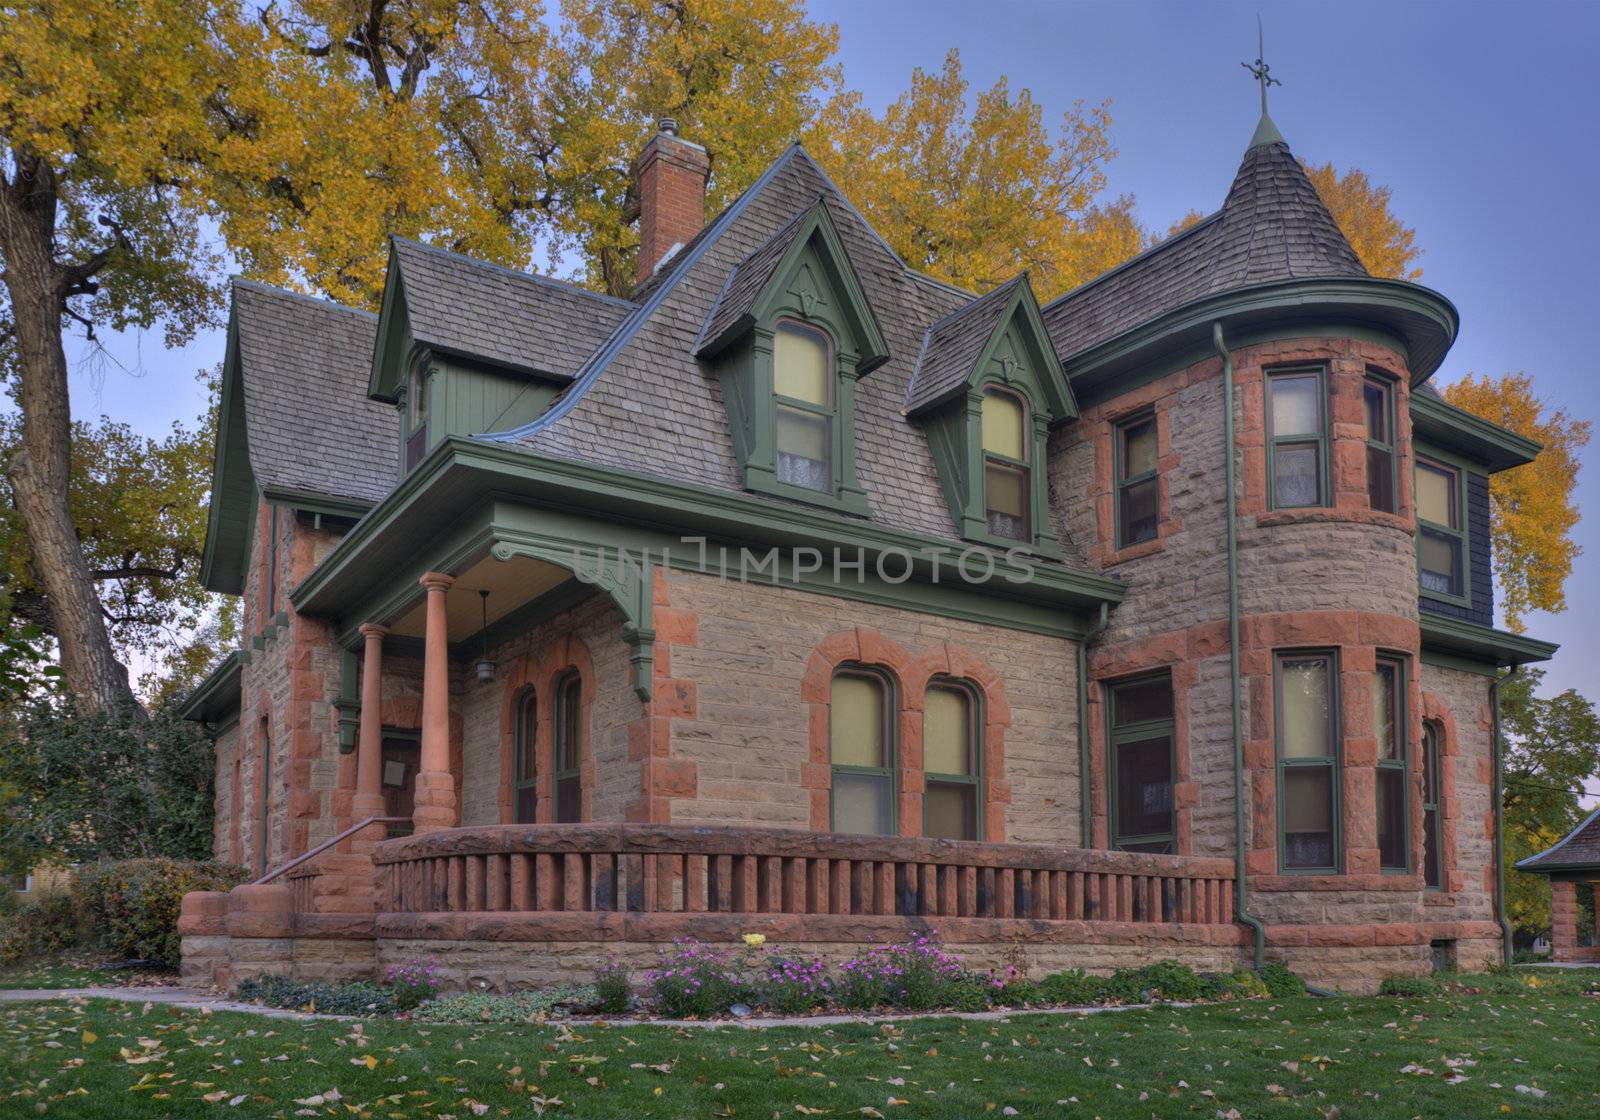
512 584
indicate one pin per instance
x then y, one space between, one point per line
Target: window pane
569 801
1006 500
1380 479
1430 764
802 439
1305 715
800 364
1436 496
855 721
1295 469
527 726
949 811
861 803
1385 712
1376 399
1144 787
569 709
1391 817
1439 558
1296 410
527 796
946 724
1003 427
1430 847
1140 513
1308 816
1141 701
1139 448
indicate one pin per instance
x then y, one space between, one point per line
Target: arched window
1006 484
524 786
803 405
862 748
568 750
1432 877
952 762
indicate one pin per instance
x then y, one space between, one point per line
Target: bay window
1308 761
1296 439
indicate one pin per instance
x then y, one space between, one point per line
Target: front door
402 757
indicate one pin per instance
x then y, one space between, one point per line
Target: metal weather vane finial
1261 72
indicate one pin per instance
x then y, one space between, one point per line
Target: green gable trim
217 697
1485 644
1458 430
1460 664
391 357
230 521
1423 318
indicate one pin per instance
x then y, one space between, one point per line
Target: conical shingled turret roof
1271 227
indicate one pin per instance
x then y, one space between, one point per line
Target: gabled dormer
987 388
465 346
789 335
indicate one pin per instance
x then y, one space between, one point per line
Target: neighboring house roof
647 404
513 319
1578 849
952 345
1272 226
309 425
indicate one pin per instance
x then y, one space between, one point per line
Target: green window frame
870 773
794 416
1437 538
1291 449
1138 483
1392 788
525 763
1142 749
1377 399
567 750
1016 523
1432 795
952 732
1305 815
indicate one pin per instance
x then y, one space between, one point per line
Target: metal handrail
325 845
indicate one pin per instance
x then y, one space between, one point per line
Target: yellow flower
754 939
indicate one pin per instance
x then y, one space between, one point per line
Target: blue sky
1474 113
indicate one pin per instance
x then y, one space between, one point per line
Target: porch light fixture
485 667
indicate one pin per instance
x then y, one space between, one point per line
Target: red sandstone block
676 626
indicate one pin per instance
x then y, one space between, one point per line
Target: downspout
1241 888
1086 793
1500 813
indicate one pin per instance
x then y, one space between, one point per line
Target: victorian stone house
801 593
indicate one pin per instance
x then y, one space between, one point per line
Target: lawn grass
1300 1057
75 974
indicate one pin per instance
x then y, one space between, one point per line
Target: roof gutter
1241 888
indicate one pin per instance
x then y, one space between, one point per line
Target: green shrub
517 1007
1280 982
360 997
917 976
412 984
1072 987
794 983
1408 987
1166 980
1241 983
611 991
129 908
40 928
1020 993
694 981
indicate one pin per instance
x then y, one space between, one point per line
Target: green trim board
1426 321
218 694
1455 429
230 522
420 526
306 501
1483 644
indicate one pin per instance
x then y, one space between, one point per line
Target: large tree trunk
41 467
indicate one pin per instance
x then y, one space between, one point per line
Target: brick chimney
671 173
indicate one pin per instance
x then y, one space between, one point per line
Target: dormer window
803 408
1006 477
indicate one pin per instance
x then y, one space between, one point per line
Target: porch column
1563 920
368 801
436 792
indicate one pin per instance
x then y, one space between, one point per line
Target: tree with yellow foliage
103 124
1385 245
1530 507
974 193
